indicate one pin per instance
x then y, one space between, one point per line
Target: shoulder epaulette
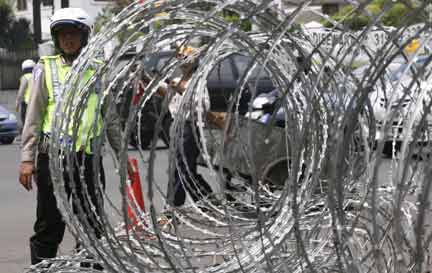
49 57
42 59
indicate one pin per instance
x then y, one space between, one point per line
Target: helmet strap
70 57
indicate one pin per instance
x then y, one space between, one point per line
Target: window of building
47 2
21 4
330 9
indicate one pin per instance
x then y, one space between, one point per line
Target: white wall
90 6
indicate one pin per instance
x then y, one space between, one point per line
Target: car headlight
12 117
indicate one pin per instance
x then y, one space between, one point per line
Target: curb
7 99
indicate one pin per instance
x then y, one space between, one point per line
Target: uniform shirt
21 91
36 112
176 100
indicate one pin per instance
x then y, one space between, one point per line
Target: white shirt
176 101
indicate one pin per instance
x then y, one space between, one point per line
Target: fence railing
10 66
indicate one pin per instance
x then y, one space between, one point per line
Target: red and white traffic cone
135 195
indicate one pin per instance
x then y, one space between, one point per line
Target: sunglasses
181 56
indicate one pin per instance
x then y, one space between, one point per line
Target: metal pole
37 21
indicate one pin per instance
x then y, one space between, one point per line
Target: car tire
7 140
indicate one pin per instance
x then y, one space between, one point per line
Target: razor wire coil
318 204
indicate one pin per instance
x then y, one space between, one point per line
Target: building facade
24 9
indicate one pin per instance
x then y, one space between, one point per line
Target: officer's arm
113 125
35 113
21 90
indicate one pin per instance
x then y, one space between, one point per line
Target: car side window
222 72
242 63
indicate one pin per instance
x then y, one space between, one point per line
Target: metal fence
10 66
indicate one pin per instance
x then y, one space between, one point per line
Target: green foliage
109 12
396 15
233 17
20 35
6 19
357 19
14 34
104 16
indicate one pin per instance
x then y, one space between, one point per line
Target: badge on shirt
37 72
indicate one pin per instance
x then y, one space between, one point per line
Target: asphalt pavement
17 211
18 207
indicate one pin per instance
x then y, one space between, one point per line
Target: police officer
70 29
23 95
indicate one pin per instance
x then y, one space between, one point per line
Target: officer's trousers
23 112
49 227
186 170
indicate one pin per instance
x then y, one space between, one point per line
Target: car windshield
406 70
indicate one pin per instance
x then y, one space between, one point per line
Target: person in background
188 151
23 95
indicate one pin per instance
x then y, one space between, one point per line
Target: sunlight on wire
313 111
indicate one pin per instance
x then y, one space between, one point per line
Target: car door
258 79
221 85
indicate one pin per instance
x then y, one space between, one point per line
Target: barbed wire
309 192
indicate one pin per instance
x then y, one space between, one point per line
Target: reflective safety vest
28 77
55 74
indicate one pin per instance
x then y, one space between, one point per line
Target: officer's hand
178 86
25 174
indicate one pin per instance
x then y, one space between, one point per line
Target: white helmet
27 64
71 16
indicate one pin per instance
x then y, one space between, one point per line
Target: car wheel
7 140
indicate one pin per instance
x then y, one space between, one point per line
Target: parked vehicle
256 144
399 106
8 126
222 83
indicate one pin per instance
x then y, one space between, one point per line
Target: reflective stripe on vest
55 74
28 77
58 73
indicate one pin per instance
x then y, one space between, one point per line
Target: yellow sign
412 47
